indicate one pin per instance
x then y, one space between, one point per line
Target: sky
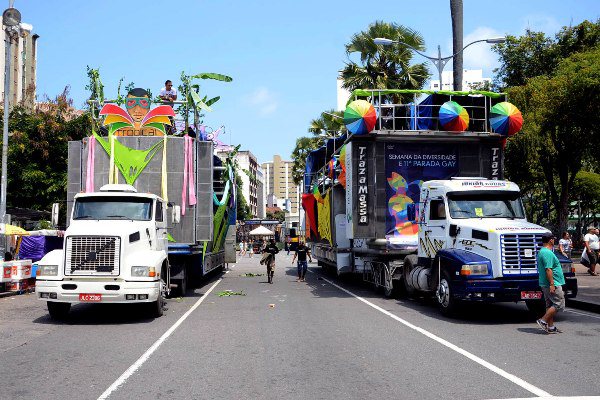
283 55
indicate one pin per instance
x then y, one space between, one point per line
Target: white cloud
263 100
480 55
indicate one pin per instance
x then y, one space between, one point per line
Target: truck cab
476 244
115 251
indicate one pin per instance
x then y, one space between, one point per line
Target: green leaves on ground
227 293
250 275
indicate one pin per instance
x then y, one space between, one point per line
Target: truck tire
182 284
58 311
156 307
536 307
447 304
410 262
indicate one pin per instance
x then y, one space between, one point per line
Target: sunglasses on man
143 102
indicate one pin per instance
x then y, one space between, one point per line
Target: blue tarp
318 158
35 247
424 120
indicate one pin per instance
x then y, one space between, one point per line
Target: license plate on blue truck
531 295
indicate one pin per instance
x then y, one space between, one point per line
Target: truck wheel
156 307
536 307
410 262
58 311
182 284
447 304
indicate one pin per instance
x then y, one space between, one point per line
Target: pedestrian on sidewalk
592 246
250 249
301 252
551 280
269 259
565 244
242 248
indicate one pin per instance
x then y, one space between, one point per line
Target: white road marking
513 378
133 369
557 398
582 313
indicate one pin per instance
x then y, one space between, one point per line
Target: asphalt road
290 340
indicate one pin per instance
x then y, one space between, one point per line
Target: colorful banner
406 168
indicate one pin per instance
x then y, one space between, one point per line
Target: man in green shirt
551 280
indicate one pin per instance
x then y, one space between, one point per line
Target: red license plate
531 295
87 297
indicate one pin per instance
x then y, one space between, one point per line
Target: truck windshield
486 205
133 208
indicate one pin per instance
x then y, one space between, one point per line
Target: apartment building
247 161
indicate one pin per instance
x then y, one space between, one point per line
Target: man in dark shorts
551 280
301 252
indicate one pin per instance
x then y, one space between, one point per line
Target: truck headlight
567 268
474 269
48 270
140 271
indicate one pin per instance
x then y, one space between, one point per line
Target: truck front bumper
499 290
111 292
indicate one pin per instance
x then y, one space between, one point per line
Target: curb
16 293
584 305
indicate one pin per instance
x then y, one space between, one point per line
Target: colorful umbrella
506 119
360 117
453 117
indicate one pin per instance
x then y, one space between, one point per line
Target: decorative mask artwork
139 119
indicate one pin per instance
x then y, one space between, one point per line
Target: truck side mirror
176 214
411 212
453 231
55 214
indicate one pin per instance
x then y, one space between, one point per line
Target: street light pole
11 18
439 62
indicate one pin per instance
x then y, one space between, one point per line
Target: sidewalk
588 296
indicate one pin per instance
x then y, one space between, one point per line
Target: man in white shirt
592 247
168 93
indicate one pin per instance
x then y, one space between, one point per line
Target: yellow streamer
324 218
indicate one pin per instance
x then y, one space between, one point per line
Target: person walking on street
565 244
301 252
242 248
551 280
250 249
592 246
288 245
270 251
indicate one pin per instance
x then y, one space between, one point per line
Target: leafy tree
329 122
384 67
304 145
243 209
586 196
535 54
37 154
562 115
278 215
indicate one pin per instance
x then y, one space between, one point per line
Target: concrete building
247 161
342 95
261 193
23 65
471 77
280 186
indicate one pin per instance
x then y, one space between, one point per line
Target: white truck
424 210
125 243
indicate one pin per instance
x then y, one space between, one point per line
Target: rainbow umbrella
453 117
360 117
506 119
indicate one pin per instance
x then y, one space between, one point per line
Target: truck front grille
519 253
92 255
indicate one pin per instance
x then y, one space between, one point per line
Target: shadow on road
471 313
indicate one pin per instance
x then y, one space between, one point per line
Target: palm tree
330 122
384 67
456 12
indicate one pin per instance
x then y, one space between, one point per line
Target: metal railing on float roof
394 113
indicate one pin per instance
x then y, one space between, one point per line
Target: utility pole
456 12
